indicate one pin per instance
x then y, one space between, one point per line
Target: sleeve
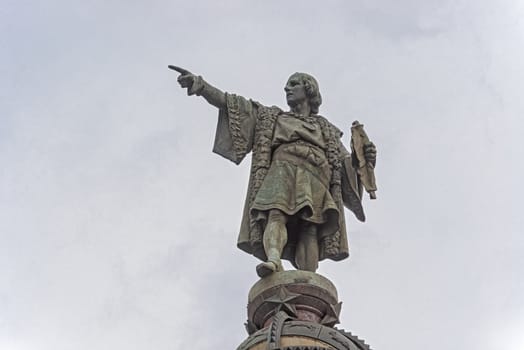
235 128
351 186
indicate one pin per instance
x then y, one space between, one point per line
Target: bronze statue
301 174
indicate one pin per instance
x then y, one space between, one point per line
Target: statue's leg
306 254
275 239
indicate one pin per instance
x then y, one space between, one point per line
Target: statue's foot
266 268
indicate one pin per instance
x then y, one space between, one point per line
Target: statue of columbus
301 174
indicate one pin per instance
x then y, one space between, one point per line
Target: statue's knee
276 216
309 231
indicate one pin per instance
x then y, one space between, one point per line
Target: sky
118 224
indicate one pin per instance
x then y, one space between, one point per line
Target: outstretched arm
197 86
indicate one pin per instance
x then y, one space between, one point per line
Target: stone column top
292 277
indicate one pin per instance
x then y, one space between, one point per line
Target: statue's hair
312 90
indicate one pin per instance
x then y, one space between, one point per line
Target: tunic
298 179
299 166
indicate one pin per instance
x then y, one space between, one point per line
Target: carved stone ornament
302 295
286 334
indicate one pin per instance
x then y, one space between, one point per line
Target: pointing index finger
179 70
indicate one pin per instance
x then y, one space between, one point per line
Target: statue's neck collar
299 115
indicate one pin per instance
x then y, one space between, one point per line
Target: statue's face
295 91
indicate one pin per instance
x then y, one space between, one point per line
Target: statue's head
302 86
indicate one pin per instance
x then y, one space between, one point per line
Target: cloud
118 224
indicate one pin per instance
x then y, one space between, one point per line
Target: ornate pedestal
296 310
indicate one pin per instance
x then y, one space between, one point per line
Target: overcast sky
118 224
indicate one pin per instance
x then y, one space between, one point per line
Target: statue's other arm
365 155
197 86
352 186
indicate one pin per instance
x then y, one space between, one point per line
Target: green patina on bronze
301 174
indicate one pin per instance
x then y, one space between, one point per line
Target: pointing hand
186 78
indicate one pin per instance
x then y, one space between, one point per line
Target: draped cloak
247 126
